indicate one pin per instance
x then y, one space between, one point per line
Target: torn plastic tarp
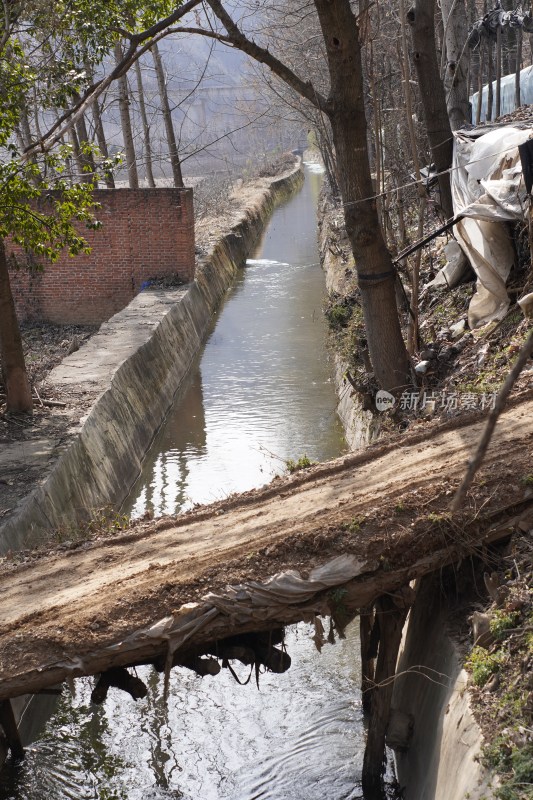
488 189
286 596
284 589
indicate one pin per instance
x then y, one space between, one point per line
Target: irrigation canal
260 393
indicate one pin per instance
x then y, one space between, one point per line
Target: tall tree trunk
328 156
480 82
76 152
412 336
25 126
86 158
421 17
36 113
146 128
125 121
511 35
375 271
14 373
99 130
455 76
101 141
167 117
25 137
490 76
518 65
498 71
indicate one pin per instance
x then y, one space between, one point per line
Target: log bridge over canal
198 589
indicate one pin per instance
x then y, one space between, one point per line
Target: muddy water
261 393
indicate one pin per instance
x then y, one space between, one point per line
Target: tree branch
69 118
264 56
499 405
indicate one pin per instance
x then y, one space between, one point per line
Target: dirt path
384 505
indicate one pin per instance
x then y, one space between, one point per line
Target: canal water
261 393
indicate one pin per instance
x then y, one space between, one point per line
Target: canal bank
135 362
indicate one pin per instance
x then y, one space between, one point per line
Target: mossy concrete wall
134 365
361 426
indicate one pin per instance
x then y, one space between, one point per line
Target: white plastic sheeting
488 189
456 266
507 95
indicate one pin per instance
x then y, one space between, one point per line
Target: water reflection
298 737
261 392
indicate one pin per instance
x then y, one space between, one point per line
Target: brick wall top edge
163 190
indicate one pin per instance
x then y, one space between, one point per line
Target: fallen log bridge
325 543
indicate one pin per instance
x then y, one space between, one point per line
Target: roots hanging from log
251 649
121 679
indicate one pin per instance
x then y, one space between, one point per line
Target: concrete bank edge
103 461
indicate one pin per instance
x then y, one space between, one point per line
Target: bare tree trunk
412 336
36 113
480 82
517 98
99 130
25 126
378 132
101 141
375 271
25 137
167 117
490 76
86 160
125 120
455 75
14 373
511 35
146 128
74 141
421 17
324 145
498 70
472 17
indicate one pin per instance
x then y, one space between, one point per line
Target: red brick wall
145 233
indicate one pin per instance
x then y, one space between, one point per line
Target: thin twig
38 396
503 394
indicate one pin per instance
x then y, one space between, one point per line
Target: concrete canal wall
133 367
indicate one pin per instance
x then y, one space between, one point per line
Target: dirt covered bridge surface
119 599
